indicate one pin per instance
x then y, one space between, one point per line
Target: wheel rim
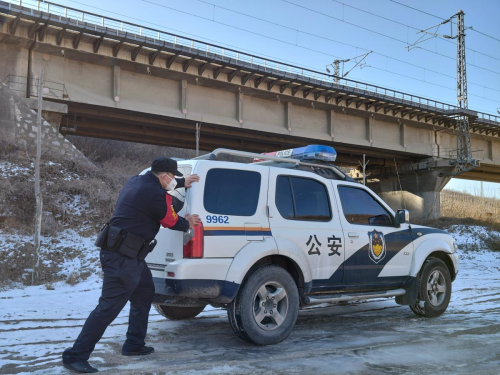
436 288
270 306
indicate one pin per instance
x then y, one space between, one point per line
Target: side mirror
402 217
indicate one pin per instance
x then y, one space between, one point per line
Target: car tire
234 323
434 289
179 313
266 307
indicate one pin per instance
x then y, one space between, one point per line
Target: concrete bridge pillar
417 188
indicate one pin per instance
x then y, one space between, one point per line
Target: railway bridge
118 80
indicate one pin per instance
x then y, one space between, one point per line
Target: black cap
164 164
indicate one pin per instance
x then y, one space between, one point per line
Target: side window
302 199
360 207
284 200
231 192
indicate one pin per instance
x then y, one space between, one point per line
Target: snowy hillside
77 200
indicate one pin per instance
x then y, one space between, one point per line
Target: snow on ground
8 169
375 336
69 251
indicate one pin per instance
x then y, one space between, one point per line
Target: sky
313 33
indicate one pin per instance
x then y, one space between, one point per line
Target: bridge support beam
116 83
331 123
288 116
240 107
184 96
369 129
417 188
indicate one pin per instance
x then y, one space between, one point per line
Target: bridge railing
200 47
54 90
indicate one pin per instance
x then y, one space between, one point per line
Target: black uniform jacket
143 205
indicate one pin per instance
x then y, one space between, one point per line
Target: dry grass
493 242
59 179
461 205
466 209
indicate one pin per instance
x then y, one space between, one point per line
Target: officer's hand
192 219
190 179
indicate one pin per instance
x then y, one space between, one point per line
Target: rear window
300 198
231 192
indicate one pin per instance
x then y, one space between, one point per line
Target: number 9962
213 219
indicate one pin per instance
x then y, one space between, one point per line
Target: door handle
353 235
269 211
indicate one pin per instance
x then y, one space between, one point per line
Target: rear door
303 216
232 206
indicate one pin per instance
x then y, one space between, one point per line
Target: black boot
144 350
80 366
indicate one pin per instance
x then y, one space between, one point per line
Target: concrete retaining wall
18 127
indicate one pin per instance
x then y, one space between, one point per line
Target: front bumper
456 263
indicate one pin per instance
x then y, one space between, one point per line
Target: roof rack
251 155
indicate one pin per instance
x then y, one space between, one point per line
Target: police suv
290 230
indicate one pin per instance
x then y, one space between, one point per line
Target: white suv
289 230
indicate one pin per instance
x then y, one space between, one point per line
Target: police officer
143 205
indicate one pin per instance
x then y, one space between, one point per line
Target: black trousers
125 279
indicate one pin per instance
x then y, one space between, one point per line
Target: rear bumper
212 290
197 279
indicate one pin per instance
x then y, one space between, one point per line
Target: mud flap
410 297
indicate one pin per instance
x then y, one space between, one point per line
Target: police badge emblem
376 249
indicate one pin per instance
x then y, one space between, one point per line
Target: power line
409 26
418 10
489 36
195 35
296 45
441 18
430 83
382 34
335 41
307 48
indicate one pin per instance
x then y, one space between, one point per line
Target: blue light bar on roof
311 152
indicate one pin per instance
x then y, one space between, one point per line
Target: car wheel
179 313
434 291
266 307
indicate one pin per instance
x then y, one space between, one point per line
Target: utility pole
198 129
464 160
38 195
336 66
336 69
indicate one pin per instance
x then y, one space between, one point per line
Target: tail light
193 247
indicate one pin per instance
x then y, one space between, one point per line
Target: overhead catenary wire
314 35
307 48
382 34
430 83
409 26
187 33
292 62
441 18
